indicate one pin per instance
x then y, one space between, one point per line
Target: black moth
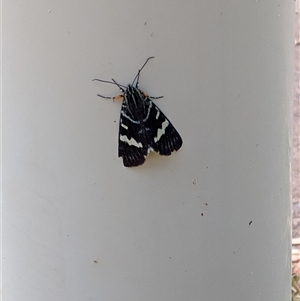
143 126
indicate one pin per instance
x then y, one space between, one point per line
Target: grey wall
211 222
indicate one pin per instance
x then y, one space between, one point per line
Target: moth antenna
111 82
137 77
120 86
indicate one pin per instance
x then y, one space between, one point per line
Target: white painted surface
210 222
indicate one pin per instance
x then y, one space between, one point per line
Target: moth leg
152 97
118 97
155 97
106 97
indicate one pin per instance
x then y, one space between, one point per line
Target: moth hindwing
143 126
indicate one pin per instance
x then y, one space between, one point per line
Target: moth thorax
135 97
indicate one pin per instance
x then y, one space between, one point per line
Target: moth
143 126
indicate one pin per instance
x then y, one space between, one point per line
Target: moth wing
165 138
133 147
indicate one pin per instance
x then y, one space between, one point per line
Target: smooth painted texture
211 222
